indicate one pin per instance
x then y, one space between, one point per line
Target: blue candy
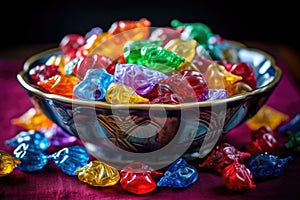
292 126
179 175
94 85
266 165
35 139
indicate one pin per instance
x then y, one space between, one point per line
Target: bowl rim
100 104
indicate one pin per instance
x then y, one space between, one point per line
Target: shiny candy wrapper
294 141
291 126
7 163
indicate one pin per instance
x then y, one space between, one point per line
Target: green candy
294 141
151 55
197 31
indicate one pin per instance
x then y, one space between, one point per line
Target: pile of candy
238 169
135 63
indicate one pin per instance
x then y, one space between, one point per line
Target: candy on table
153 56
238 177
267 116
7 163
292 126
122 32
196 31
219 78
118 93
42 72
265 165
188 84
94 86
138 178
184 48
97 173
58 60
222 156
263 140
294 141
70 43
179 174
91 62
57 136
32 119
61 85
139 78
67 159
35 139
165 34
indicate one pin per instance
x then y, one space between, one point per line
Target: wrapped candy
138 178
263 140
97 173
139 78
267 116
94 85
7 163
179 175
33 138
67 159
238 177
265 165
223 155
118 93
32 119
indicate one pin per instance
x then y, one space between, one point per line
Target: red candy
223 155
42 72
246 71
238 177
188 84
263 140
70 44
138 178
159 90
91 62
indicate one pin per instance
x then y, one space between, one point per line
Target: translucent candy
70 159
139 78
179 175
164 34
238 177
58 60
267 116
70 43
138 178
61 85
152 56
94 31
7 163
184 48
42 72
94 85
118 93
97 173
35 139
214 94
265 165
32 119
246 71
196 31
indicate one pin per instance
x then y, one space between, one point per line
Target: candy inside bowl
155 132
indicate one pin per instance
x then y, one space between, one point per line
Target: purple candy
93 31
57 136
140 78
214 94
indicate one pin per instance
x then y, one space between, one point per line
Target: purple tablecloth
50 183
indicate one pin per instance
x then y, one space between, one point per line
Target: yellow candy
7 163
118 93
219 78
184 48
33 119
267 116
97 173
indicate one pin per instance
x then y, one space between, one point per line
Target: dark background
26 22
